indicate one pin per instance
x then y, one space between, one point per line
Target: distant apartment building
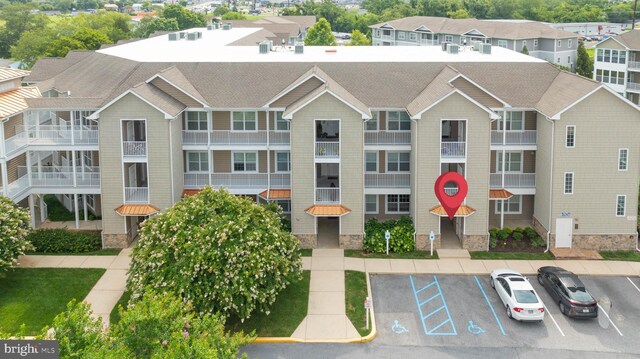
290 29
334 135
543 42
617 64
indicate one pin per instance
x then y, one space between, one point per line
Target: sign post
387 235
432 238
367 307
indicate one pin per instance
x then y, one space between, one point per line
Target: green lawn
355 295
56 212
286 314
632 256
591 53
354 253
114 317
511 255
305 252
101 252
34 296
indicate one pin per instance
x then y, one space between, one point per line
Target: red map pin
451 203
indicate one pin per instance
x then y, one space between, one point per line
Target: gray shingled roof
47 67
435 90
64 103
159 98
630 39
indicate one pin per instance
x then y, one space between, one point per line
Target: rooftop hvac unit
226 26
173 37
485 49
452 48
476 45
209 27
264 47
299 49
444 45
182 34
199 33
192 36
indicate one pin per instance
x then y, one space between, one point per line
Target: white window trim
377 161
399 122
233 167
448 38
508 212
569 43
375 114
243 112
503 42
275 159
564 182
275 122
386 204
284 200
198 152
625 205
566 134
386 162
620 157
508 119
412 36
401 35
535 43
505 152
377 204
559 43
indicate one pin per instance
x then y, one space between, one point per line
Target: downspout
553 128
269 158
415 179
364 174
173 190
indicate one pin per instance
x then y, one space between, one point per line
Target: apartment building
336 135
617 64
542 41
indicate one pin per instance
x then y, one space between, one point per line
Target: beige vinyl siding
175 93
476 93
543 170
222 161
610 44
13 165
382 161
10 125
262 161
594 162
221 120
297 93
177 159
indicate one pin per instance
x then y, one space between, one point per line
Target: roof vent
485 49
452 48
299 48
264 47
226 26
173 37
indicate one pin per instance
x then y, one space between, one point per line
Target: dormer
11 79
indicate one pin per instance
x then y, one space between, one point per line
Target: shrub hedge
64 241
401 239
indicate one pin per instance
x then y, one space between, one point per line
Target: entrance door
459 226
133 176
564 231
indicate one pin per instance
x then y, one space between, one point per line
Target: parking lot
458 310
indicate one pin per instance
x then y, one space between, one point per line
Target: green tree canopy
358 39
14 227
584 64
233 15
18 19
320 34
148 25
221 10
186 19
220 252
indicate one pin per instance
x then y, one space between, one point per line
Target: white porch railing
239 180
513 180
527 137
134 148
633 86
136 195
327 195
238 137
59 134
453 149
280 180
387 180
387 137
634 64
451 190
195 137
196 180
20 185
59 176
327 149
279 137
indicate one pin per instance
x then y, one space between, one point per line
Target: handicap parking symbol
398 328
474 329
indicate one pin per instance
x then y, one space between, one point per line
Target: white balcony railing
136 195
279 137
46 135
327 195
513 180
527 137
633 86
238 137
63 176
327 149
196 180
453 149
280 180
634 64
387 137
451 190
195 137
134 148
236 180
20 185
387 180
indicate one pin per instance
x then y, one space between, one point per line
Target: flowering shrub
14 228
401 232
62 240
218 252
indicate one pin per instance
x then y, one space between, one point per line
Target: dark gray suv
569 292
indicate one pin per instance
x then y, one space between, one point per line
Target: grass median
631 256
511 255
354 253
355 295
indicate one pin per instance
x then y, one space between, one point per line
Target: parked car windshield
579 294
525 296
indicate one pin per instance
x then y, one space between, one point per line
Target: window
371 203
514 121
622 58
611 77
535 43
398 162
511 206
412 36
285 204
401 35
559 43
463 40
599 55
386 32
569 43
571 137
398 203
502 43
283 163
281 123
377 33
196 121
568 183
621 205
398 121
614 56
245 121
623 156
558 60
371 161
448 38
512 162
197 161
372 124
607 55
568 59
245 162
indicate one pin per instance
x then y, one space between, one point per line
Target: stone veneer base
600 242
476 243
422 242
307 240
351 241
115 240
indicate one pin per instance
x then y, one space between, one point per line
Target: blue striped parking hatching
433 324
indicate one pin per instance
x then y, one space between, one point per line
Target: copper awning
463 211
271 194
137 210
190 192
499 194
327 210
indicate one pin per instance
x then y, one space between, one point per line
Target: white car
517 295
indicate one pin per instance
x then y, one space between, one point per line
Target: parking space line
425 287
490 306
551 316
610 321
633 284
425 317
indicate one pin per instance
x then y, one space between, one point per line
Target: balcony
327 150
63 176
51 135
136 195
453 149
134 148
327 195
513 180
235 138
635 65
236 180
633 86
279 138
387 138
513 138
387 180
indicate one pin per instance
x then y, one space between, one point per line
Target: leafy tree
320 34
584 64
397 12
525 50
220 252
232 15
458 14
186 19
76 331
379 6
18 20
148 25
220 10
14 227
358 39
